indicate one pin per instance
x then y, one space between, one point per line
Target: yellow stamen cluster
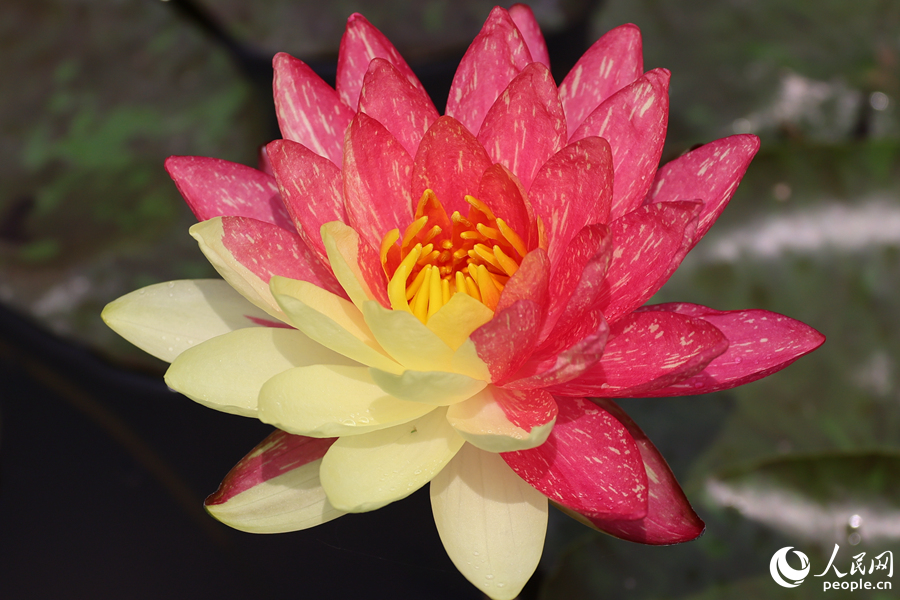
438 257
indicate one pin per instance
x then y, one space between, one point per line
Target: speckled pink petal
573 189
218 188
376 180
506 341
614 61
497 54
361 43
451 162
530 282
577 353
710 173
589 464
760 343
648 351
275 455
576 284
404 109
506 197
267 250
648 245
308 110
311 187
633 121
670 518
531 30
265 165
526 125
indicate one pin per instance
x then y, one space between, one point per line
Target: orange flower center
439 257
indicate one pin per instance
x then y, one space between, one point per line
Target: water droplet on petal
171 284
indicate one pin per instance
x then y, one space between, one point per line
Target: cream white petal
331 401
342 246
227 372
168 318
437 388
491 522
365 472
288 502
331 321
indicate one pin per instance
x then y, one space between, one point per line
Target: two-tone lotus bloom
414 298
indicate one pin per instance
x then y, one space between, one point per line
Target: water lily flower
413 298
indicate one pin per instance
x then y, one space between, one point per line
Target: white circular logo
782 572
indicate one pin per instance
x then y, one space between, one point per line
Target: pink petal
648 245
404 109
309 111
530 282
264 164
376 180
311 187
710 173
670 518
451 162
526 125
590 464
267 250
497 54
530 29
526 409
760 343
576 284
613 62
633 121
218 188
503 343
573 189
361 43
648 351
583 347
506 197
279 453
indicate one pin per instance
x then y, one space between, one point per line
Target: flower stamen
438 257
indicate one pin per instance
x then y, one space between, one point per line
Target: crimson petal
308 110
670 518
450 162
219 188
590 463
311 187
710 173
404 109
648 351
503 342
611 63
504 194
573 189
376 180
760 343
633 121
360 44
531 30
496 55
526 125
648 245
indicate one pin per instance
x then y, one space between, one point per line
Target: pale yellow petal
331 321
365 472
491 522
457 319
331 401
227 372
168 318
342 245
209 236
288 502
482 422
437 388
